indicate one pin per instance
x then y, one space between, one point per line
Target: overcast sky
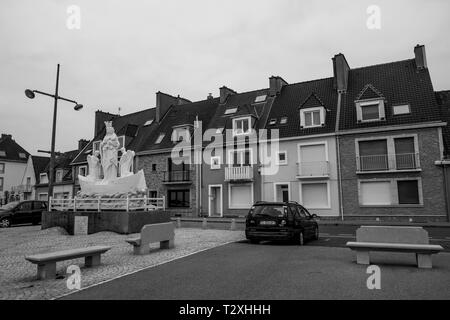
126 51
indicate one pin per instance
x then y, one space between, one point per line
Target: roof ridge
307 81
381 64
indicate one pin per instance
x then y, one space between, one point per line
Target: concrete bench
46 262
164 233
398 239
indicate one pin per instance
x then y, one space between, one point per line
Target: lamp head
29 93
78 107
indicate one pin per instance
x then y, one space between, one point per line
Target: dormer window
59 175
160 138
283 120
312 117
241 126
367 111
43 178
182 133
96 146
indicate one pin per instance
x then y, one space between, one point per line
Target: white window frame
242 150
2 168
43 175
283 120
85 171
394 192
235 120
2 183
322 117
219 162
381 111
230 206
277 159
221 198
328 206
275 184
401 105
261 98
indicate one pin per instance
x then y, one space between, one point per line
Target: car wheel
316 233
300 239
5 223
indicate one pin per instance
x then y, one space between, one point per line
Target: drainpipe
444 168
338 155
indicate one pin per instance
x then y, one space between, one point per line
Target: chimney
6 136
82 143
164 101
224 93
100 118
420 56
340 72
275 85
210 96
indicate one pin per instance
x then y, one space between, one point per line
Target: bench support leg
362 257
141 249
46 271
92 261
424 261
168 244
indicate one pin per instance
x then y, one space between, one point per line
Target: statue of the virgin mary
109 153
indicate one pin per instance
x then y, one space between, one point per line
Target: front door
282 193
215 201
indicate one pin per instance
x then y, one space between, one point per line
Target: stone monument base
122 222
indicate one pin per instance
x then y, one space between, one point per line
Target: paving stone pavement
18 276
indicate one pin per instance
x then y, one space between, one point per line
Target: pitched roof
12 150
132 125
245 105
177 115
39 165
399 83
306 94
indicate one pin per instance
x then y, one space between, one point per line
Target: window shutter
358 112
322 116
302 119
381 109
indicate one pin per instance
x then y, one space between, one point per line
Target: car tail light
283 222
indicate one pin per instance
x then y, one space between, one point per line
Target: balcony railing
385 162
22 188
316 169
177 176
238 173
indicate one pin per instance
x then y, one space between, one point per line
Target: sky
126 51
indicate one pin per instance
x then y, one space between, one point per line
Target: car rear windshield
9 205
269 210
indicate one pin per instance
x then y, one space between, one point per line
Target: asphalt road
270 270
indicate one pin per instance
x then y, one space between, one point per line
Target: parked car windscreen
269 210
9 205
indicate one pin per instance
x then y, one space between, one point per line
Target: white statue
126 162
94 166
109 147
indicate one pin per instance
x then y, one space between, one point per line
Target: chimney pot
340 72
275 85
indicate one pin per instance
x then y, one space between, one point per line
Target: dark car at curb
21 212
280 221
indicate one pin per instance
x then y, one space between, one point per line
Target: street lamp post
31 94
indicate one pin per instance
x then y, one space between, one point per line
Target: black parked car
20 212
280 221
